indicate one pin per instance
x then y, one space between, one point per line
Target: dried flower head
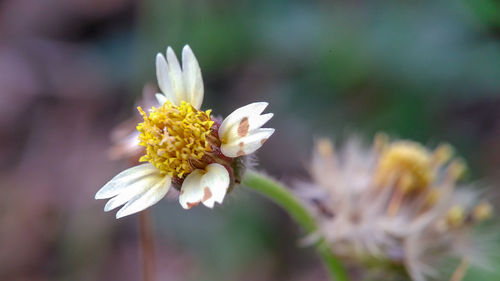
125 137
395 202
184 146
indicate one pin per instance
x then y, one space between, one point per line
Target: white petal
146 199
193 81
161 98
175 74
241 131
248 144
134 189
207 186
128 177
191 191
130 192
232 121
163 76
215 183
258 121
246 127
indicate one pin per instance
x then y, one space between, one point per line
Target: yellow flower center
455 216
176 138
482 211
406 164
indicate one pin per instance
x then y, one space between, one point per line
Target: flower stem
147 246
284 198
460 272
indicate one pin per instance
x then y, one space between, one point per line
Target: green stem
284 198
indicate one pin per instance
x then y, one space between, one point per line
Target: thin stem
459 273
147 246
285 199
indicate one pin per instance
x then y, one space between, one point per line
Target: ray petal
146 199
128 177
193 81
234 119
248 144
191 190
163 76
215 183
175 75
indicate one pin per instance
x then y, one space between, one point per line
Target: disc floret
176 137
406 164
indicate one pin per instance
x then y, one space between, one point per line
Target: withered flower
395 203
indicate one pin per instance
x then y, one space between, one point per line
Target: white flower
184 146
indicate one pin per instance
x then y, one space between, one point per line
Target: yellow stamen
324 147
442 154
482 211
457 169
455 216
432 197
174 137
405 164
380 142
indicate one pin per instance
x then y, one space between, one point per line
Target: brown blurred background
70 70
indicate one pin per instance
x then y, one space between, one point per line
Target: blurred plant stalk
280 195
460 272
146 234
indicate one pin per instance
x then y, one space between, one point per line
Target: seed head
396 202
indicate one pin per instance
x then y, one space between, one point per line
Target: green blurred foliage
367 66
